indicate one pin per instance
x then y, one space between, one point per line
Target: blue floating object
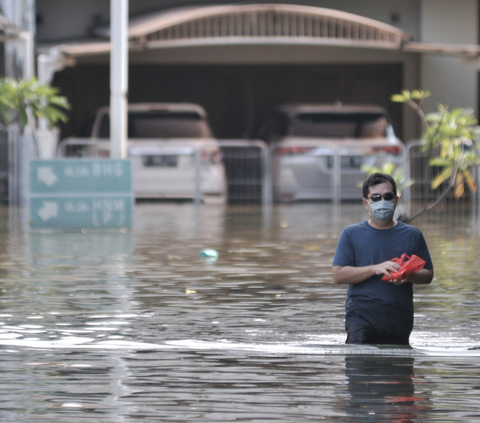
209 253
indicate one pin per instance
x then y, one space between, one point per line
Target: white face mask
383 210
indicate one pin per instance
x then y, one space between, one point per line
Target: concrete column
118 78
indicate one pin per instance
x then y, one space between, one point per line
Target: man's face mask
383 210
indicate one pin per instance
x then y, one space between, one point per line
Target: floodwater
136 327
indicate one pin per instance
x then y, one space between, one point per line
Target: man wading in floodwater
379 312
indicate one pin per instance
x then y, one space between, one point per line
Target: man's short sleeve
422 252
344 255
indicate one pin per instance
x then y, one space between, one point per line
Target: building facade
238 75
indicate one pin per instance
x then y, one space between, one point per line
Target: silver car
171 146
320 149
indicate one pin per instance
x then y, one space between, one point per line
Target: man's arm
422 277
352 275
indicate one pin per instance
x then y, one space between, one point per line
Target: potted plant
22 102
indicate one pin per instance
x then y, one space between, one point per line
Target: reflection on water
382 386
136 326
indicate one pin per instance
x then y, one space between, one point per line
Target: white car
171 146
306 140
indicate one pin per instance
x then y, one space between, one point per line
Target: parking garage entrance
238 90
235 97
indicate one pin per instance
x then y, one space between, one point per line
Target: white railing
343 179
339 164
102 149
421 195
250 172
265 22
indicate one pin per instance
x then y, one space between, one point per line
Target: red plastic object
409 265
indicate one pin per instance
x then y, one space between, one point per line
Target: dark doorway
235 97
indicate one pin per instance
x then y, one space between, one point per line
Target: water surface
135 326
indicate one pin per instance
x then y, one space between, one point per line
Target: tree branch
439 199
420 113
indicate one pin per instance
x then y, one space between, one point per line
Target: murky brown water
129 327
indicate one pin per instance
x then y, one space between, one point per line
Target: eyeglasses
389 196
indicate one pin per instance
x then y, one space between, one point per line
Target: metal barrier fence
420 195
246 163
314 170
258 173
311 170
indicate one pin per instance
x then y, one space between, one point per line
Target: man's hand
386 267
389 266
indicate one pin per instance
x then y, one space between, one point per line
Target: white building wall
451 81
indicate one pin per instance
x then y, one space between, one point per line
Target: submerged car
320 151
170 144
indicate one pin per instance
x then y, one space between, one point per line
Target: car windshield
161 124
339 125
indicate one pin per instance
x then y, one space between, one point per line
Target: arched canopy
259 24
250 24
270 23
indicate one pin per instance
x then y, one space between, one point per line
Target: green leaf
388 168
19 99
434 117
22 114
398 98
440 161
459 186
442 177
472 186
60 102
419 94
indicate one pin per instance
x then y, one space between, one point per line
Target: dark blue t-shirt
362 245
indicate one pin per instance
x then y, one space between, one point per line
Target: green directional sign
80 194
69 176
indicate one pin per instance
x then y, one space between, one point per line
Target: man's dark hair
375 179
